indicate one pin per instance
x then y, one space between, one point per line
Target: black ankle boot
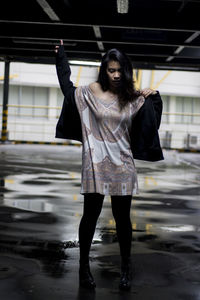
126 275
86 279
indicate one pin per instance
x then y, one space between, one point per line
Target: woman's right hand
57 47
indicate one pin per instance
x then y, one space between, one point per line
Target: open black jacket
145 143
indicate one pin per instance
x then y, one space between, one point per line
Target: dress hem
95 192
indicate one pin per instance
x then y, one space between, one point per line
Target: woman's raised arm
63 70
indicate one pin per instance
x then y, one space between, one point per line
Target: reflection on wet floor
41 207
168 193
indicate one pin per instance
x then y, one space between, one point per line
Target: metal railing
59 108
25 124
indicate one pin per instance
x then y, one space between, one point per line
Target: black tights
121 211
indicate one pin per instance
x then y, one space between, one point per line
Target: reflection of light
148 228
179 228
30 205
147 202
134 226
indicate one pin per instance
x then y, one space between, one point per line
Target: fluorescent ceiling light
100 45
122 6
85 63
179 49
170 58
97 31
48 10
192 37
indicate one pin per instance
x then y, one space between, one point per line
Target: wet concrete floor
40 211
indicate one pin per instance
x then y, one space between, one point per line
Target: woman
107 117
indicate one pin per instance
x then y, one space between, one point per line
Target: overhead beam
60 24
197 1
41 50
152 64
46 40
180 48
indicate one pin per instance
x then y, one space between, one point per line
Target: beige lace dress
107 162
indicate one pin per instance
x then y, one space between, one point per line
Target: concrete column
4 132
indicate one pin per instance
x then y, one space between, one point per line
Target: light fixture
192 37
84 63
48 10
122 6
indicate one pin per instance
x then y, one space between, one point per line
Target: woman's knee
92 205
121 206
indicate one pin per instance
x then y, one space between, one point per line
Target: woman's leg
121 211
91 211
92 208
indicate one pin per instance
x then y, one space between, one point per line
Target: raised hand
57 47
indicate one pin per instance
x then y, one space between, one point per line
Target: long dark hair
127 92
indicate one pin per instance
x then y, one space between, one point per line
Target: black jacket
145 143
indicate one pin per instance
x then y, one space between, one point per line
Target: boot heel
126 276
86 279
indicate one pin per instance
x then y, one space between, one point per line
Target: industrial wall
35 101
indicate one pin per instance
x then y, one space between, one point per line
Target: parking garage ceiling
156 34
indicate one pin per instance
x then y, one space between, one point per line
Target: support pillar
4 132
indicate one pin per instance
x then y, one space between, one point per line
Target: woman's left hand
147 92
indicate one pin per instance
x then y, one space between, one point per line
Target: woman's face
114 73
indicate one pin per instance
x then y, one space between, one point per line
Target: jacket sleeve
145 142
158 107
64 72
69 124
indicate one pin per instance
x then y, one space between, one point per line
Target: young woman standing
103 116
